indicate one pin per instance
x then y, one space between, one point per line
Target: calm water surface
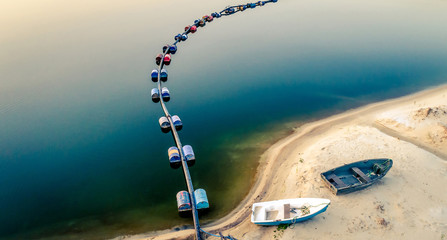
81 153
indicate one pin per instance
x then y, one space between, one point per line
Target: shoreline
270 171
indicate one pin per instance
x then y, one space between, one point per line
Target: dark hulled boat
356 176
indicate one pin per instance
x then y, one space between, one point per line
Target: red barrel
158 59
193 29
167 59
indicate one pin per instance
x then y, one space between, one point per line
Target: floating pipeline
180 155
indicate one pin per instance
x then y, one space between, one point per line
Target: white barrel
189 153
164 124
177 122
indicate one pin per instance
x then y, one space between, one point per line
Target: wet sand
409 203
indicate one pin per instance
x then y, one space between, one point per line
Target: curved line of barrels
173 123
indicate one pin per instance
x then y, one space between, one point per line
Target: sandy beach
410 202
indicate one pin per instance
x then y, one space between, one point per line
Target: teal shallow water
81 153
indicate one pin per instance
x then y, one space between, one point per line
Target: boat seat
287 211
360 175
334 179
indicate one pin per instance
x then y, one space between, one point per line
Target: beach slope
409 203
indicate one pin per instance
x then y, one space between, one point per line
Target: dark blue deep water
81 153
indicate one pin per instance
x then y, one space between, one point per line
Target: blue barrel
201 199
177 122
174 157
178 37
164 124
165 94
165 47
155 95
164 75
183 201
173 49
154 75
184 37
189 155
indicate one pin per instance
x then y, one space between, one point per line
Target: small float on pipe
202 203
165 94
158 58
173 49
229 10
189 155
193 29
174 157
183 203
167 59
164 75
154 75
164 124
155 95
177 122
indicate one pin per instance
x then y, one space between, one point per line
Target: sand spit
409 203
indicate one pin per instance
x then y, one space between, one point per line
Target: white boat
287 211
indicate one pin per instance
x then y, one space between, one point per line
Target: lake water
81 153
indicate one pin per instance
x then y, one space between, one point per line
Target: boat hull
356 176
292 221
287 211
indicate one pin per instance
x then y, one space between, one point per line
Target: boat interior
280 212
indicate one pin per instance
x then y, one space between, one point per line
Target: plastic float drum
154 75
158 59
167 59
188 28
183 201
174 157
164 124
229 10
178 37
193 29
189 155
165 47
202 23
217 15
201 199
165 94
155 95
173 49
177 122
251 5
164 75
184 37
